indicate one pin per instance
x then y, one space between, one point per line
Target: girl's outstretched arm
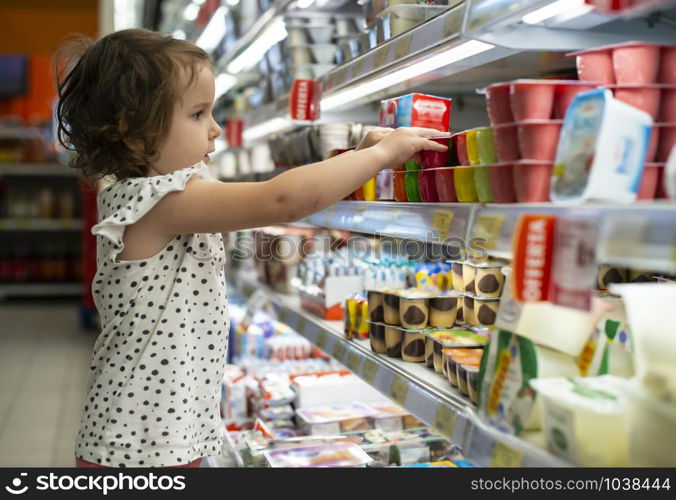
213 207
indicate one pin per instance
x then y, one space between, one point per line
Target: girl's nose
215 130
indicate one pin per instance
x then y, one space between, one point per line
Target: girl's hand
373 137
404 144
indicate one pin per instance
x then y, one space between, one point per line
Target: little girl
137 106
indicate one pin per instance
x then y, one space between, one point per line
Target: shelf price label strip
338 352
489 227
353 360
322 339
369 369
399 389
505 456
441 222
444 420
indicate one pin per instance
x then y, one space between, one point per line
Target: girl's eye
198 115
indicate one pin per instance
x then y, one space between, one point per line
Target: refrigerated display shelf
640 235
40 290
416 388
16 224
36 169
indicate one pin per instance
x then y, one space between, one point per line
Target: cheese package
330 455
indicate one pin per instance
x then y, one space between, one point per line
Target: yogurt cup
595 66
413 346
501 179
427 184
482 185
565 93
498 104
538 139
412 186
668 104
463 180
445 185
459 144
532 181
506 142
486 146
377 337
646 97
435 159
399 185
472 147
667 72
666 141
636 63
532 99
647 189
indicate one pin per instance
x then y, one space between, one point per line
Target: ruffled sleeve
127 201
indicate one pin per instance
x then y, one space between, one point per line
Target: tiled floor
44 359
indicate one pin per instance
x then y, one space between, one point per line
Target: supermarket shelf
640 235
40 224
438 222
40 290
36 169
416 388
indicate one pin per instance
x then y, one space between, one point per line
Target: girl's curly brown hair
117 98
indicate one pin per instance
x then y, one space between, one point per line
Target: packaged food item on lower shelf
454 357
413 346
506 399
463 367
438 340
334 419
388 418
584 420
393 339
377 337
331 455
602 150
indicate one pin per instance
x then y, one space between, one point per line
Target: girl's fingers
426 132
434 146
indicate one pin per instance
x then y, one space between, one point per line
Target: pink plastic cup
648 187
506 142
668 105
538 140
427 183
532 181
532 100
501 179
668 66
595 66
434 159
644 98
498 104
636 64
666 142
445 185
652 145
564 95
459 143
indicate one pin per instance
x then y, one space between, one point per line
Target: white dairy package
602 150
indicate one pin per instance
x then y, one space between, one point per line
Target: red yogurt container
501 179
668 66
532 99
459 144
636 63
532 181
643 97
595 66
506 142
498 104
434 159
565 93
445 185
538 139
647 189
668 105
399 185
666 141
427 184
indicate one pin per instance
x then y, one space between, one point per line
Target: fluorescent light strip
275 32
214 31
266 128
552 10
224 82
455 54
304 4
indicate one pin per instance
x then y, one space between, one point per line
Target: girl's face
193 129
